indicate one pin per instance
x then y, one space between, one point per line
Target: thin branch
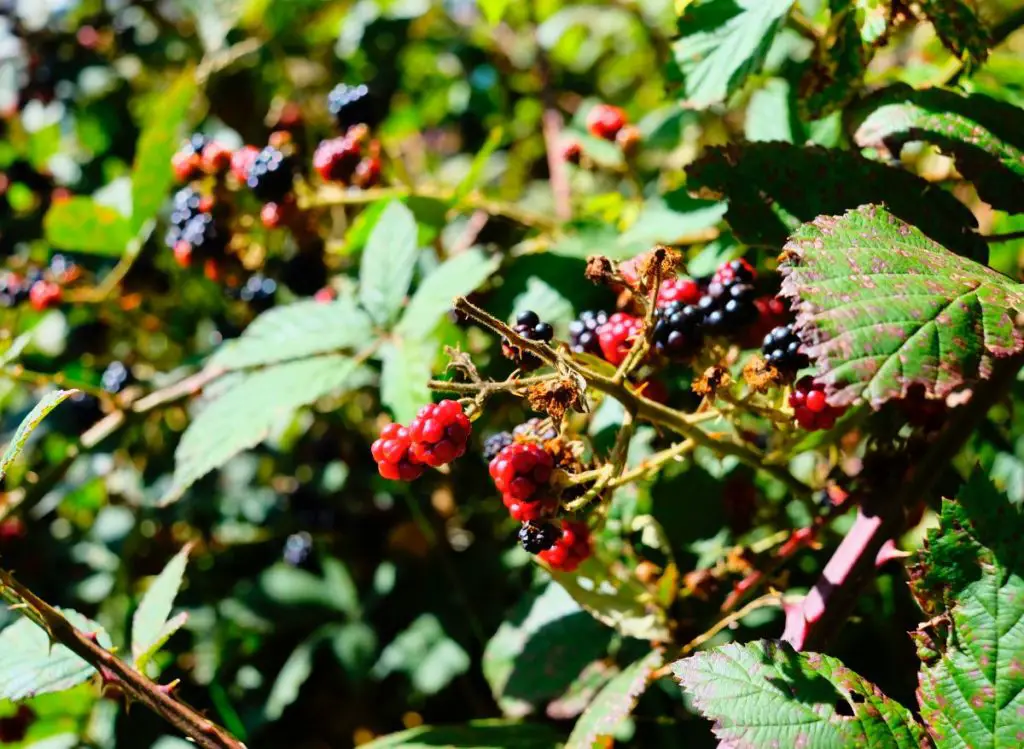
1007 237
160 699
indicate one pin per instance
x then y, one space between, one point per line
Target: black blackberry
115 377
734 271
495 444
583 332
350 105
529 326
271 175
538 537
536 429
677 330
297 549
258 291
204 235
728 308
185 206
781 349
13 290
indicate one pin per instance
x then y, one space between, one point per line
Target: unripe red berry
810 405
605 121
324 295
617 335
572 151
570 549
336 159
734 271
629 139
391 452
367 173
681 289
216 158
187 165
45 294
439 433
241 161
270 215
521 472
183 253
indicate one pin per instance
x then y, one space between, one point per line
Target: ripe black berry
271 175
13 290
115 377
583 332
781 349
203 235
728 308
538 537
536 430
677 331
185 205
529 325
495 444
258 291
350 105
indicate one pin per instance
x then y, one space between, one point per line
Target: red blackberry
538 537
572 151
734 271
367 173
681 289
439 433
536 430
216 158
336 159
583 332
495 444
617 335
350 105
781 349
241 162
188 161
391 452
44 295
771 313
605 121
521 471
271 175
677 330
571 548
810 406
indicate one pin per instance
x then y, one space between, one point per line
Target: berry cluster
438 435
609 123
810 405
42 288
529 325
571 546
521 472
677 330
781 348
728 303
682 290
616 336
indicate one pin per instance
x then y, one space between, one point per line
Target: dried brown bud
710 381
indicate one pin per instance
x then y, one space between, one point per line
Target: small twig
159 699
1007 237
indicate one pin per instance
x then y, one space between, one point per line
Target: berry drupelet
538 537
810 406
495 444
617 335
570 549
350 105
271 175
583 332
677 330
439 433
781 349
391 452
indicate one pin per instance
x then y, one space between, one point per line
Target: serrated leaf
973 569
152 175
80 224
767 694
403 381
881 308
483 734
614 703
149 624
841 57
29 424
618 602
959 26
388 262
721 42
546 627
985 136
251 404
29 665
774 187
457 276
295 331
769 115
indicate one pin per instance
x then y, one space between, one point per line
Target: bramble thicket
472 374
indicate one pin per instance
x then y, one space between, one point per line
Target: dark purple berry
781 349
538 537
271 175
677 330
350 105
495 444
583 332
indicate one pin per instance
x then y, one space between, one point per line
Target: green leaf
483 734
882 308
774 187
476 169
288 586
29 424
249 406
294 673
425 654
546 627
619 602
80 224
959 26
388 262
152 175
769 114
494 10
984 135
722 42
457 276
973 569
614 703
150 624
296 331
403 385
767 694
29 665
673 218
